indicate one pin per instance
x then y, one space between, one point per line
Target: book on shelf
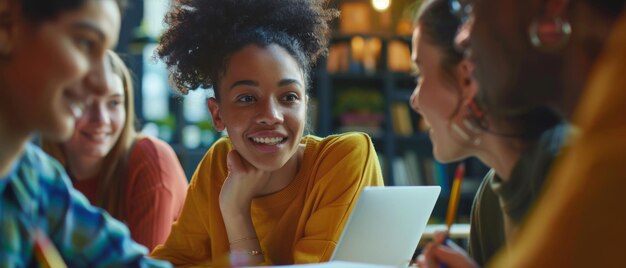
338 60
358 56
400 173
356 18
371 54
407 170
441 176
429 171
401 119
435 173
414 169
398 56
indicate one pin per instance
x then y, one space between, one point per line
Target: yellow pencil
455 194
46 254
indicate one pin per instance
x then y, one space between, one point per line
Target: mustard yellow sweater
299 224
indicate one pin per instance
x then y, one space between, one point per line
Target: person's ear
469 115
214 109
466 82
8 13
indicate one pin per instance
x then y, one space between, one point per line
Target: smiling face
262 105
436 100
100 126
42 79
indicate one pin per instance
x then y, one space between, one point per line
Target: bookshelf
352 94
390 91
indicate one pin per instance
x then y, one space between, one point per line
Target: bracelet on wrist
255 252
242 257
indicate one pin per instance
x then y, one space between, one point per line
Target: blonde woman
137 179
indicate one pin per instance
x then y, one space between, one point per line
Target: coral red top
156 191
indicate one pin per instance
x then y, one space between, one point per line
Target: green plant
359 100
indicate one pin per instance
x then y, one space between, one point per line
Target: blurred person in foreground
52 57
570 56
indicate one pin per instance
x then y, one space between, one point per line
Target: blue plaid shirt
37 195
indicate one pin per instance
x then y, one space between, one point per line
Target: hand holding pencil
442 253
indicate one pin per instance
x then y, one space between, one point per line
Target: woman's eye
85 44
88 41
114 103
245 99
292 97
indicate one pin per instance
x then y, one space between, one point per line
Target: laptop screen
386 225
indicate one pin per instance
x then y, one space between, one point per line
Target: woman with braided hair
266 194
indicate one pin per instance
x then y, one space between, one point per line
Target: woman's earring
460 131
478 115
476 141
551 31
464 135
471 126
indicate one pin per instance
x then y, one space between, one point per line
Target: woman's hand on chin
243 183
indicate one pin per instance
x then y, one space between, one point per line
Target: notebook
386 225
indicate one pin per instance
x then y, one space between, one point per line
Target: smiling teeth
97 136
270 141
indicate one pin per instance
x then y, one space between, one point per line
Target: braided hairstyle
204 34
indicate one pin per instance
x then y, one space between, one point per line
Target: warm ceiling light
381 5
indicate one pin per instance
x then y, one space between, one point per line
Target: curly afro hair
204 34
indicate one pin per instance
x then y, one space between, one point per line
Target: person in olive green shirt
519 149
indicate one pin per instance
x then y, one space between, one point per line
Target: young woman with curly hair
266 194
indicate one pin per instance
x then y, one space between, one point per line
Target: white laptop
386 225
